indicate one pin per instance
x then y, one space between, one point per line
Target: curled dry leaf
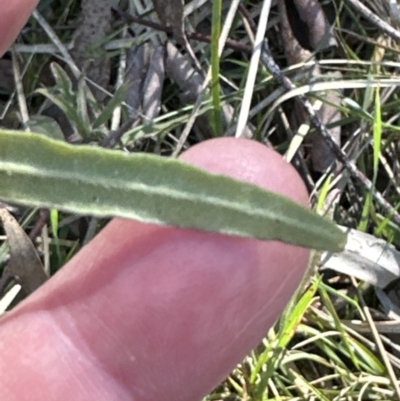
309 24
180 69
154 83
24 264
137 61
170 13
145 74
304 27
365 257
321 154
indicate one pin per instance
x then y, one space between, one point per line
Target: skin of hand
13 16
146 312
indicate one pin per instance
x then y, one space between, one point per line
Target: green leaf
45 125
38 171
117 99
72 103
63 82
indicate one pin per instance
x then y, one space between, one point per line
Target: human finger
13 16
147 312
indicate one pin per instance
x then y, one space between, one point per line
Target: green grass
313 352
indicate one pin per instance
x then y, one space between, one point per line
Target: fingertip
146 302
250 161
13 16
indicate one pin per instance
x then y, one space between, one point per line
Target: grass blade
215 59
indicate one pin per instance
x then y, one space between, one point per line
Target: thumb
146 312
13 16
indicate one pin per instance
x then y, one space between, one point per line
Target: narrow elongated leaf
35 170
116 100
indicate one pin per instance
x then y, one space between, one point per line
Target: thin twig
57 42
274 69
380 23
40 223
230 43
